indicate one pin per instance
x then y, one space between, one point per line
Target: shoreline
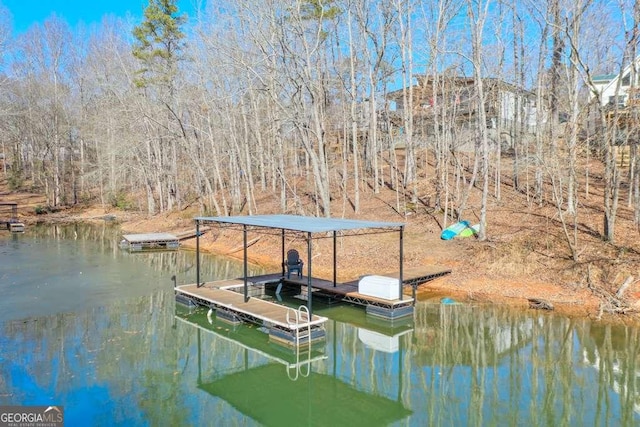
464 284
472 290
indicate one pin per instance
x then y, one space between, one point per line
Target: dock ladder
300 315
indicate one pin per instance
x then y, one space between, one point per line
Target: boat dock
226 298
387 308
145 241
383 296
11 223
285 324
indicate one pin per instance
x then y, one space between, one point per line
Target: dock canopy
311 227
305 224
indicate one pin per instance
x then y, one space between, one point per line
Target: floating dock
225 296
149 241
285 325
12 223
387 308
383 296
16 227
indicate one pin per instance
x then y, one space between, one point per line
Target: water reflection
117 350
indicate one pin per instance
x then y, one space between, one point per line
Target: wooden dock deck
285 324
288 325
411 277
348 291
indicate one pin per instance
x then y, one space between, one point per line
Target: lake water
96 330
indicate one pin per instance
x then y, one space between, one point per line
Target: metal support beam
245 269
197 253
282 249
335 260
309 289
400 276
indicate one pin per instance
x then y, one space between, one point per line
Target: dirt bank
523 258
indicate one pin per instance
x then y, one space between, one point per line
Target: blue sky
27 12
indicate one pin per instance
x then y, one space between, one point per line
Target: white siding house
615 89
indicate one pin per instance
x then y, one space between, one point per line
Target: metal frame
308 227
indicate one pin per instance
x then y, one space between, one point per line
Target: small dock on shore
9 221
149 241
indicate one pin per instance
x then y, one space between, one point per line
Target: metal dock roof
308 224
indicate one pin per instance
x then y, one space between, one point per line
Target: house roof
459 82
307 224
603 78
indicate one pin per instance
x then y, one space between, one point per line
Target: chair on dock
293 263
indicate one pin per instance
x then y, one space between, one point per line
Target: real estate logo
31 416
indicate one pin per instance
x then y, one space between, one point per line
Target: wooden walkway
262 310
227 298
349 290
190 234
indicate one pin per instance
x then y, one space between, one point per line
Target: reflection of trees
508 367
121 349
103 238
614 352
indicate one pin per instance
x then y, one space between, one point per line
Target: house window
621 100
626 80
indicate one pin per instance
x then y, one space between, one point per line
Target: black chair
293 263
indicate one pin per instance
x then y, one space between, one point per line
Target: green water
96 330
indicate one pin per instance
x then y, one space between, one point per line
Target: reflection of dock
316 399
253 341
285 324
260 389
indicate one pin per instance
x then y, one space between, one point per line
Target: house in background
619 89
451 102
620 98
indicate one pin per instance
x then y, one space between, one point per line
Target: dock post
282 258
401 262
335 261
309 289
197 253
244 243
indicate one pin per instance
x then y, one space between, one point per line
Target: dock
229 303
149 241
285 325
383 296
349 291
10 223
